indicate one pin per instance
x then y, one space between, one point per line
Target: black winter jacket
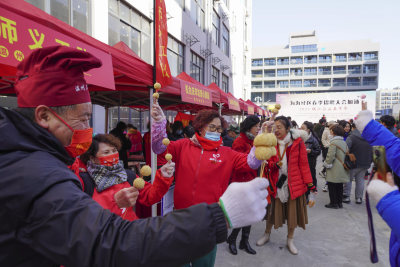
47 220
361 149
313 144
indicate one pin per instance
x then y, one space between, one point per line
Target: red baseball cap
53 76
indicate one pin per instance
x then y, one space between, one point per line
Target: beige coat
335 172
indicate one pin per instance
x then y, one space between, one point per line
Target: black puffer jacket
313 144
47 220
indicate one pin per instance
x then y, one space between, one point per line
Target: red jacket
203 175
149 195
243 144
299 174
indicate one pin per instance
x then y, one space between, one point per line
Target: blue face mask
213 136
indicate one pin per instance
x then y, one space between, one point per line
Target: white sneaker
263 240
325 188
291 246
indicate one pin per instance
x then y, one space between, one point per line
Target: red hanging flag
163 73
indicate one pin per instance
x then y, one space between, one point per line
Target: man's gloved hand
126 197
156 113
244 203
377 189
168 169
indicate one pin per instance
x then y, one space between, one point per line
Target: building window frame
197 67
216 28
225 40
225 83
215 75
176 50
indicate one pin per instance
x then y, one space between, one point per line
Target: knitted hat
249 122
234 128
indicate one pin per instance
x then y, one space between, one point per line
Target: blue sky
336 20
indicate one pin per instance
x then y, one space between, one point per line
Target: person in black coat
118 132
313 148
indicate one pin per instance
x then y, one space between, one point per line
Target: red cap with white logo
53 76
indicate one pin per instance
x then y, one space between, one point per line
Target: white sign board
335 106
167 202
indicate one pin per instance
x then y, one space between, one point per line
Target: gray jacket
360 148
335 172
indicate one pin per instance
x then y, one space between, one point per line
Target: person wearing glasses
203 166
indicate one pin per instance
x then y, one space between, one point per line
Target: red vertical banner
163 73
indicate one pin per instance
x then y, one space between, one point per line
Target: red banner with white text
163 72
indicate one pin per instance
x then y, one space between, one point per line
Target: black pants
335 193
324 152
235 233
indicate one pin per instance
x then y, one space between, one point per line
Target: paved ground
332 238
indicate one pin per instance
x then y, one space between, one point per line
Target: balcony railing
369 83
296 73
355 58
295 62
335 84
339 72
370 71
266 63
353 83
283 85
257 86
322 60
269 85
354 71
256 76
283 74
312 61
310 85
295 85
371 58
310 73
283 62
324 84
325 72
341 60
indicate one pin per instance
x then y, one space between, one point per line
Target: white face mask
213 136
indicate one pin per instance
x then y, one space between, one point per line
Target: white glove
377 189
363 118
168 169
245 203
156 113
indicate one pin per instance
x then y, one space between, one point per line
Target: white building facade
307 66
208 39
386 98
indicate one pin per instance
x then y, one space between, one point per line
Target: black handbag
349 159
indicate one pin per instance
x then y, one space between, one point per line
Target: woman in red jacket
203 166
110 184
249 129
290 178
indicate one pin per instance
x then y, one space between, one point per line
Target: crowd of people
67 193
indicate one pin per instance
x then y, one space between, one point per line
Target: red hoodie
243 144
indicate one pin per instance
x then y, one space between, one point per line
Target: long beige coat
335 172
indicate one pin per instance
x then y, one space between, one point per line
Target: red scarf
208 144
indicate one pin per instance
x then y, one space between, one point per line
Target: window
256 84
127 25
310 71
340 58
256 97
225 40
215 28
283 61
370 81
304 48
73 12
356 69
355 57
215 76
197 13
295 83
324 82
269 73
175 53
296 72
354 81
296 60
310 83
269 97
269 84
325 71
370 55
270 62
325 59
256 73
339 70
257 62
225 83
197 68
370 68
283 72
339 82
283 84
310 59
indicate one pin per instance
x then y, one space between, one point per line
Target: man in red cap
46 218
